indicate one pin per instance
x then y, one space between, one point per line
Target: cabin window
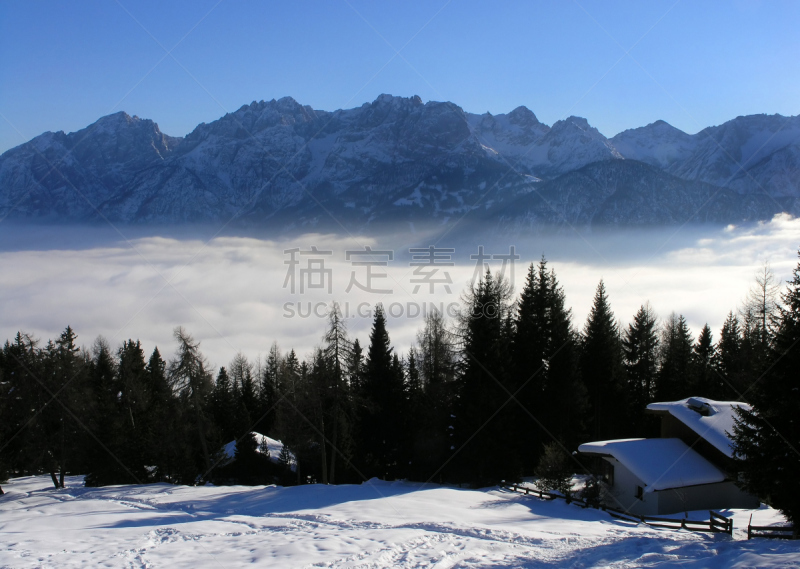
607 472
640 493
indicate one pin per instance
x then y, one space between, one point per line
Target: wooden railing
770 532
716 523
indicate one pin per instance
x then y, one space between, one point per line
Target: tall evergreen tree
674 374
729 361
767 437
338 355
544 364
640 356
435 360
485 391
382 400
189 377
704 377
601 368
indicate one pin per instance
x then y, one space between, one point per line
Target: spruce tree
383 402
729 361
338 354
674 380
485 408
640 356
767 437
435 360
703 376
601 368
544 356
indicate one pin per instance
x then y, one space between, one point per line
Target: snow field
375 524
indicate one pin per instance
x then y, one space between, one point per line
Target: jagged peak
388 99
522 115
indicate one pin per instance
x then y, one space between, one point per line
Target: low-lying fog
234 293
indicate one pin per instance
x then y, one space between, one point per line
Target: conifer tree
482 418
382 404
767 436
270 385
190 378
544 355
703 376
223 406
640 356
601 368
435 361
729 360
337 354
674 379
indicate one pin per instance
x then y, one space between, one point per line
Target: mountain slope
628 192
283 164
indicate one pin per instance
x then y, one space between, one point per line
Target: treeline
474 401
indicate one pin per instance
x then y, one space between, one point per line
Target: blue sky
619 64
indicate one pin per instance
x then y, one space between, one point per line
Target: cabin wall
720 496
622 493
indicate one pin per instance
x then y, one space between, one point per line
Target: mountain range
282 164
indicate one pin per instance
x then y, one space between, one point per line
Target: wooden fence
716 523
770 532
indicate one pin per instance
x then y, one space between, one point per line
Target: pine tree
270 385
382 402
674 374
435 361
22 365
767 437
703 375
223 406
601 368
729 360
640 356
64 375
338 354
482 417
189 377
544 355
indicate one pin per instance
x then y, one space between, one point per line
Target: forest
488 396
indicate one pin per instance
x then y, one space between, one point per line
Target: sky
619 64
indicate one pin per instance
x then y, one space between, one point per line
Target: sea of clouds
232 292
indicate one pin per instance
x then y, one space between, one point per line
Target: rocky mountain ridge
283 164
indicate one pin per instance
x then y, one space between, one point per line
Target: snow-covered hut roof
660 463
274 447
711 420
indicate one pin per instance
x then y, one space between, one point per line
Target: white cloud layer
229 292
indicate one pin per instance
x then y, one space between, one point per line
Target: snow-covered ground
376 524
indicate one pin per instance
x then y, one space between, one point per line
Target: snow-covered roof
711 420
275 448
660 463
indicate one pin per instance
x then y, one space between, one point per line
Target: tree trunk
200 431
203 444
61 476
323 454
53 476
1 491
334 448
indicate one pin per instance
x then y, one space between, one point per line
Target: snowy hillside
376 524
